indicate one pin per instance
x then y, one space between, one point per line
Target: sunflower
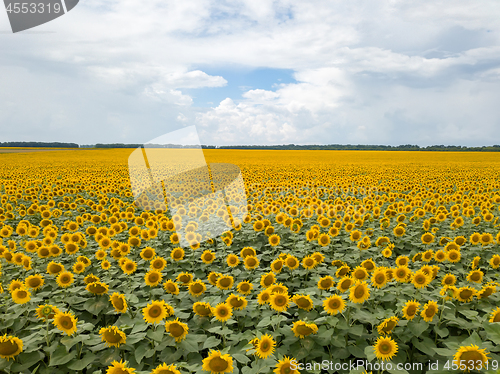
465 294
429 311
129 266
264 297
277 265
97 288
427 238
148 253
177 330
267 279
302 329
54 268
495 315
344 284
359 292
342 271
34 282
21 295
165 369
232 260
91 278
65 322
369 265
247 251
244 287
105 265
410 309
251 262
440 256
217 363
119 368
472 357
486 291
449 280
355 235
385 348
208 256
387 325
379 278
65 279
475 262
486 238
222 312
10 346
46 311
153 278
278 288
158 263
119 302
325 283
197 288
324 240
359 273
225 282
274 240
265 346
177 254
402 261
202 309
237 302
303 302
334 304
453 255
286 366
495 261
279 301
112 336
421 279
292 262
475 276
156 311
308 262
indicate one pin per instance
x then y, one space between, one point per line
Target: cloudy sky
256 72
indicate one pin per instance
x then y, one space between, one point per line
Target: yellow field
386 257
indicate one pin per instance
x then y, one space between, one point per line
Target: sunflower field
387 259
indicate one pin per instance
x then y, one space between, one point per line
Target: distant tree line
333 147
38 145
362 147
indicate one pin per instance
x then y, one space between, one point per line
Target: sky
256 72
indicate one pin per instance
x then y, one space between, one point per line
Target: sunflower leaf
211 342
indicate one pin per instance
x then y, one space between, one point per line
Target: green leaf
61 356
82 363
468 313
417 328
139 326
241 358
356 351
140 352
445 352
95 306
492 331
263 323
189 345
157 335
211 342
370 353
442 332
356 330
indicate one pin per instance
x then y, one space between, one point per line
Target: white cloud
391 71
